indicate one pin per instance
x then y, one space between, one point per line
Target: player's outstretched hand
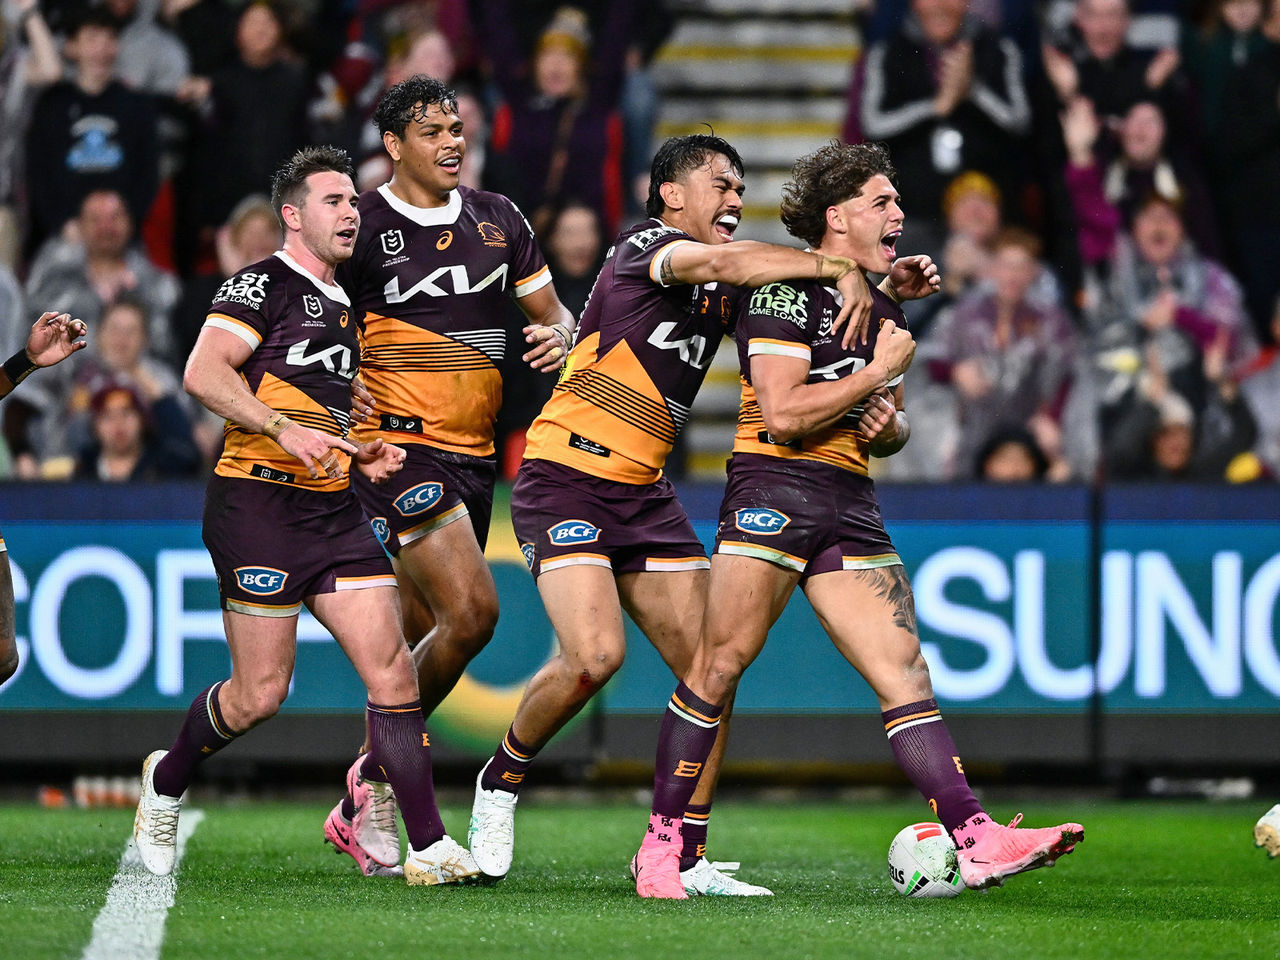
379 461
316 450
856 309
913 278
361 402
895 348
54 337
879 420
550 347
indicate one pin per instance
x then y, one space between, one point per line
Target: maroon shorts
802 515
274 545
432 489
564 517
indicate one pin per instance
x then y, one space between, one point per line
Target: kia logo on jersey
761 520
260 581
417 499
392 242
311 303
572 532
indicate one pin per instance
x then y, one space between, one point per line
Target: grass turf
1165 880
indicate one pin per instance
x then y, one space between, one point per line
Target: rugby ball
922 862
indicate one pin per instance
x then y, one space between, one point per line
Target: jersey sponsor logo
392 242
529 552
393 421
446 238
343 319
249 289
262 471
336 359
764 436
573 532
783 302
311 303
491 234
646 237
459 281
381 530
261 581
692 350
588 446
419 499
760 520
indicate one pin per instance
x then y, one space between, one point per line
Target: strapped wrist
275 425
20 366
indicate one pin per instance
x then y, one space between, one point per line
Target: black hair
289 185
828 176
678 157
408 100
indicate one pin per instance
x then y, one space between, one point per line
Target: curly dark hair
830 175
408 101
289 185
679 156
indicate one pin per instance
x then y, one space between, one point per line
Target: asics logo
572 532
260 581
418 499
762 521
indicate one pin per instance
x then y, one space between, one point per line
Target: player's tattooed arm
667 273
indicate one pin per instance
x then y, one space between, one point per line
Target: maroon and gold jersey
639 357
430 285
793 319
305 352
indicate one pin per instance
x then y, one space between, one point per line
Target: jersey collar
424 216
330 290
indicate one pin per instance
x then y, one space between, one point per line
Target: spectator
1008 358
25 69
1011 455
558 131
83 275
1105 195
128 446
575 251
90 133
207 30
965 109
152 59
1260 384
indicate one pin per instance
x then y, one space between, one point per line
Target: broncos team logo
491 234
311 303
392 242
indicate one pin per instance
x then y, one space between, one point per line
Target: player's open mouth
348 234
726 225
888 241
452 164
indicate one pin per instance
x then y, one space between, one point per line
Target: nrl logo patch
392 242
311 303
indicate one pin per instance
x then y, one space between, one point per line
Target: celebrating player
432 266
799 508
598 523
276 357
53 338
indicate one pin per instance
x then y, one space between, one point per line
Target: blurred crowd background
1099 180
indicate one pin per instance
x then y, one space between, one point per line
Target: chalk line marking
131 922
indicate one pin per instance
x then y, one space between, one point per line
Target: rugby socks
928 756
694 835
400 754
509 764
689 730
203 734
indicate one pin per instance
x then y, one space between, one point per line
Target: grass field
1166 880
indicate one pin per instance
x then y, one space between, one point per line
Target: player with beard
598 523
800 508
276 358
432 266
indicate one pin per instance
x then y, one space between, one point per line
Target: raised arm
54 337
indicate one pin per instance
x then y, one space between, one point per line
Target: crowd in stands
1098 181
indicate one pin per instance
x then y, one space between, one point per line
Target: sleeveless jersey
638 359
429 284
793 319
305 351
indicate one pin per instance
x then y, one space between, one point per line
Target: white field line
131 922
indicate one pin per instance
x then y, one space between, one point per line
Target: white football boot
444 861
155 826
708 879
492 832
1266 832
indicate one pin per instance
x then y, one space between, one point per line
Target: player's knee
264 702
594 667
724 669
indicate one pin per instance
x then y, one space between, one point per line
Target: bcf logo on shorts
572 532
762 521
261 581
417 499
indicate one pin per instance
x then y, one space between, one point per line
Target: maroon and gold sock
400 754
509 764
696 818
689 729
203 734
927 755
